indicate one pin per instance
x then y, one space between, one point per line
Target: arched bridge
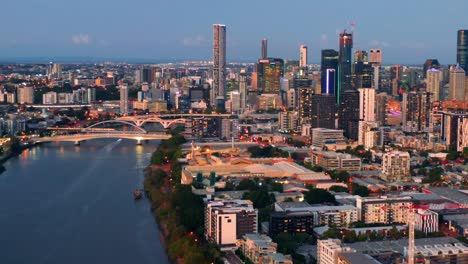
96 131
166 120
77 138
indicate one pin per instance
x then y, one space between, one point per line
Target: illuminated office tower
457 83
329 71
219 63
344 67
269 75
123 99
433 82
264 48
303 56
462 49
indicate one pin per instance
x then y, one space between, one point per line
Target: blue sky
407 31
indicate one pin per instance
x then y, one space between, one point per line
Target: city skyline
142 34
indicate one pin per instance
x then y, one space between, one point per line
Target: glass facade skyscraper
329 69
344 67
462 49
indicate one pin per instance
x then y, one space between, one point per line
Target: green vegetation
178 210
267 152
362 191
288 243
314 196
337 188
434 175
341 176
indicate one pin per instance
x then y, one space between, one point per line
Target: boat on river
137 194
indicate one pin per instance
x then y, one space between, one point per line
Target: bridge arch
119 122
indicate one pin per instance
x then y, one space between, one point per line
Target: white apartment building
226 221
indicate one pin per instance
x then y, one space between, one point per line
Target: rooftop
451 194
358 258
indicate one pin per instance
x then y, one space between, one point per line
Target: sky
407 31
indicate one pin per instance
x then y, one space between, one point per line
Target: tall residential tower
344 68
219 63
462 49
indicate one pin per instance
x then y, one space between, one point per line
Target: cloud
196 41
378 43
81 39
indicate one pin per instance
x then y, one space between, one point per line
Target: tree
319 196
394 233
337 188
246 184
452 155
362 191
260 198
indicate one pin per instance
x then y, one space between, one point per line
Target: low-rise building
441 253
330 160
426 221
323 136
339 215
291 222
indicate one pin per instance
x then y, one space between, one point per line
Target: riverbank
178 212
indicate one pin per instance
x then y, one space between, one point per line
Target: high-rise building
269 73
323 111
344 68
366 104
304 104
381 103
329 71
455 130
148 74
396 167
264 48
243 90
457 83
303 56
433 82
229 220
348 114
462 49
416 111
25 95
368 134
219 63
395 76
123 99
363 75
430 64
376 56
360 56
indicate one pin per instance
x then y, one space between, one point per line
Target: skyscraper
348 114
362 77
243 89
430 64
123 99
344 68
366 104
323 109
303 56
264 48
219 63
462 49
457 83
269 73
416 111
433 82
376 56
329 62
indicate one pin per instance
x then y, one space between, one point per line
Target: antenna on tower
351 26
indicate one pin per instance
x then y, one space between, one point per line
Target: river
62 203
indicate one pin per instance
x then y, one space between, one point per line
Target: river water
61 203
